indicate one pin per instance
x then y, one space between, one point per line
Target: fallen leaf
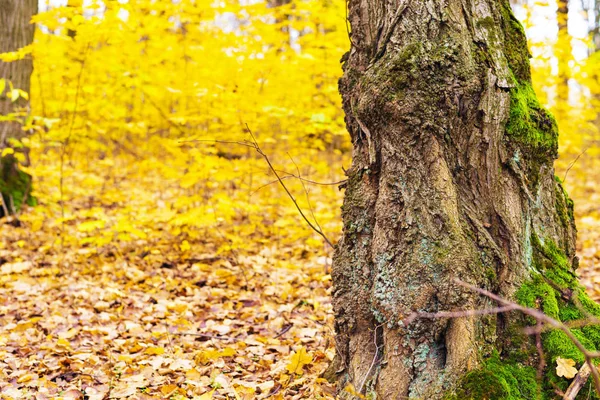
565 367
298 360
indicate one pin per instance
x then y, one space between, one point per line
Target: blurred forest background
164 259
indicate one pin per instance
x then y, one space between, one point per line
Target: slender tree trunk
596 30
452 178
16 32
564 53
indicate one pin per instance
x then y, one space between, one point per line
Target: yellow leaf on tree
7 151
298 360
14 95
185 246
565 367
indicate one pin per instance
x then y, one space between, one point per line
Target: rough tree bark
452 178
16 31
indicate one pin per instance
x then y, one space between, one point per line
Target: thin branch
579 381
310 208
374 359
205 336
456 314
573 163
288 176
246 144
163 114
68 139
266 158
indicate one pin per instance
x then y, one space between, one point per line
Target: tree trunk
452 178
564 54
16 32
596 30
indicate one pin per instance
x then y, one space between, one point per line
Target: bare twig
288 176
579 381
266 158
254 145
456 314
573 163
205 336
540 350
285 329
310 208
374 359
244 143
68 139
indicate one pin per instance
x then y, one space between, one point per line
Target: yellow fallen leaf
205 396
350 389
298 361
206 356
565 367
167 390
125 357
155 350
26 378
71 333
179 308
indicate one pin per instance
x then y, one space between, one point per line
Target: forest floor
145 315
117 300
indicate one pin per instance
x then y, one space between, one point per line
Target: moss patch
512 372
556 291
15 185
498 380
517 54
530 124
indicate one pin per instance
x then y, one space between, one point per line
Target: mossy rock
15 185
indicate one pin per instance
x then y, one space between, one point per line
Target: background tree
16 32
564 53
452 178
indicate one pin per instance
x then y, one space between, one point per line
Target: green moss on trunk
530 125
511 374
15 185
498 380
